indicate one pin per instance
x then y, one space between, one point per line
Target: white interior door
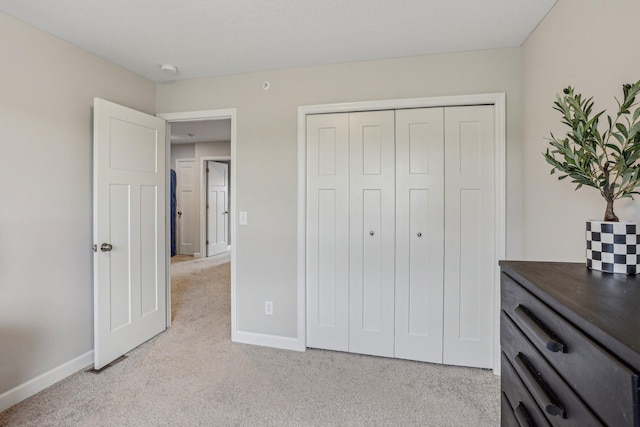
372 233
419 234
328 231
217 207
129 229
187 211
470 244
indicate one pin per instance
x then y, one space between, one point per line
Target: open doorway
200 160
198 138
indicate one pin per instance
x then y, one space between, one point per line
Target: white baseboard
39 383
197 255
265 340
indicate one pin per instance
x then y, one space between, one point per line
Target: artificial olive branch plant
607 161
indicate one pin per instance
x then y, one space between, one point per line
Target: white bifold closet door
328 231
469 227
400 233
372 233
420 221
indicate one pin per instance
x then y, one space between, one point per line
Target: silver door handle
226 212
419 234
371 233
106 247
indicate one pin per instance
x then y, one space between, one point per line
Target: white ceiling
216 37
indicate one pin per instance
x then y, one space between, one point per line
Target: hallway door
217 207
187 197
129 229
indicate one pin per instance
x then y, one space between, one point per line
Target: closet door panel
469 230
372 230
372 273
419 234
327 231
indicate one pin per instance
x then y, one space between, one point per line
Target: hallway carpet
193 375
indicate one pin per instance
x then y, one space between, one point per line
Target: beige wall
181 151
46 280
267 152
213 149
592 46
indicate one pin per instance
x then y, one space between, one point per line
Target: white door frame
226 113
203 199
495 99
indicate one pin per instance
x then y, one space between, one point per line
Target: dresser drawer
606 385
520 402
555 398
507 417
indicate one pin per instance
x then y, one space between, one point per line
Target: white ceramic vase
613 247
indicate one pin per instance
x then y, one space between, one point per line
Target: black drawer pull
534 326
523 417
537 387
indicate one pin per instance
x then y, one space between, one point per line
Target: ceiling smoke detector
169 69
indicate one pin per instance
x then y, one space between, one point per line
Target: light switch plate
243 218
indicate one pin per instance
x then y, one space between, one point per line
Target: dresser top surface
605 306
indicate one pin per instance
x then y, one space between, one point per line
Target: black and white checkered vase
613 247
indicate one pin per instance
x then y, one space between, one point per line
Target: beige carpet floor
193 375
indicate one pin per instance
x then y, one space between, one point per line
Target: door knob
371 233
419 234
179 212
106 247
226 212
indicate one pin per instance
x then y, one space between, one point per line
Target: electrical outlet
268 308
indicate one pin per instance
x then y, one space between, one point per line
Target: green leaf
614 148
634 130
618 137
623 129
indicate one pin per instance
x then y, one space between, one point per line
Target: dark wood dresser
570 340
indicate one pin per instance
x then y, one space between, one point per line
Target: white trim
266 340
495 99
203 199
227 113
501 216
302 224
167 228
188 116
49 378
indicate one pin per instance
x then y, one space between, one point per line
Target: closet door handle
419 234
371 233
538 388
535 327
